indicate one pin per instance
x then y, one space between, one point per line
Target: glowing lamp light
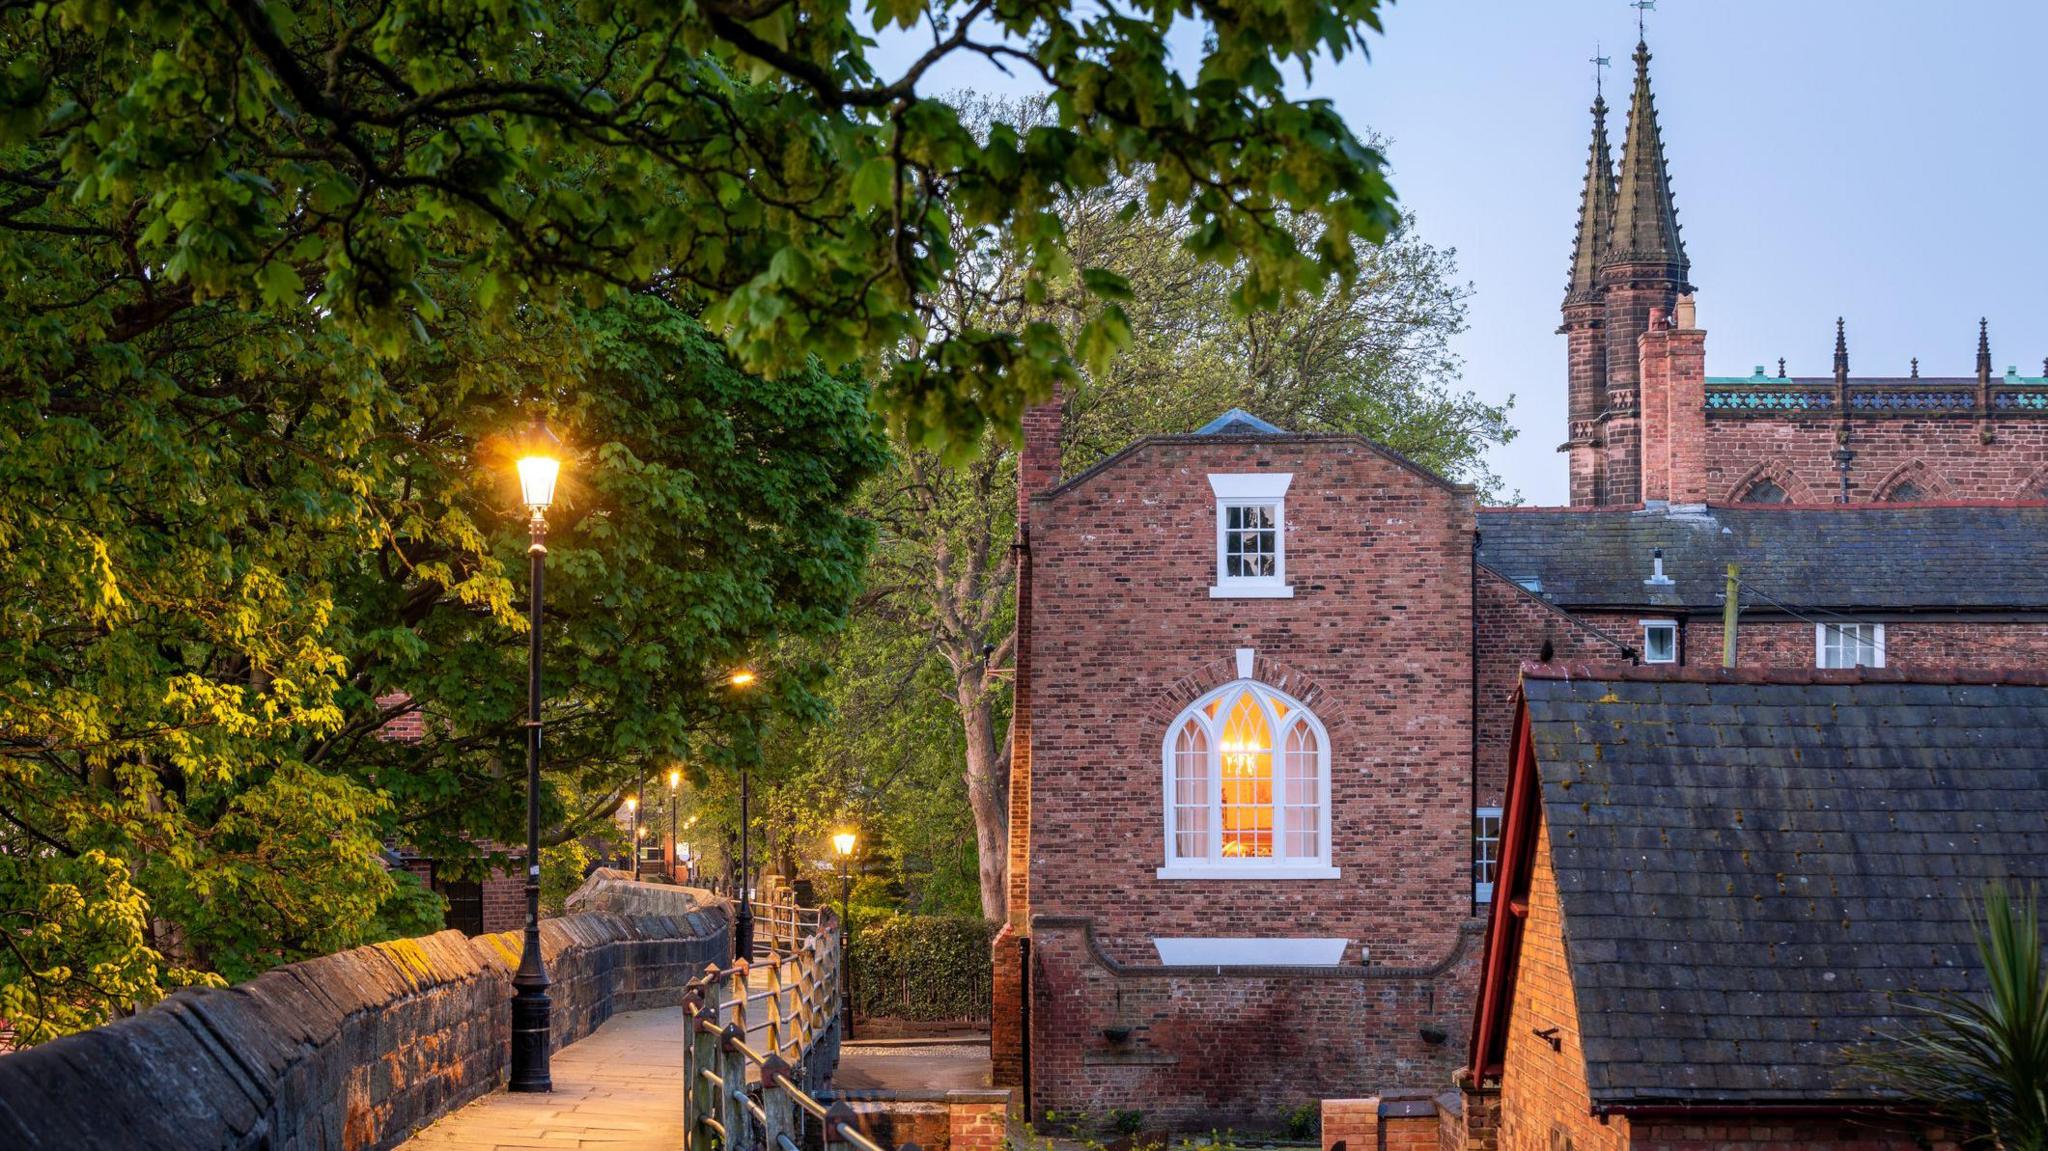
741 678
632 804
540 464
843 843
675 778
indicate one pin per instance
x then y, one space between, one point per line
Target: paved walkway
618 1088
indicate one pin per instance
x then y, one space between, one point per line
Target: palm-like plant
1984 1060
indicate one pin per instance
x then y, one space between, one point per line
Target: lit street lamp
743 921
843 843
633 809
540 464
675 778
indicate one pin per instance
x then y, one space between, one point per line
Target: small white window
1485 852
1247 788
1660 641
1251 535
1848 645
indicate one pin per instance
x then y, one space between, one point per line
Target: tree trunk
988 792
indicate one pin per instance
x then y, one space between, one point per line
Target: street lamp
843 843
540 464
633 809
675 778
743 921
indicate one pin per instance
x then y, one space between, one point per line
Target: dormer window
1251 535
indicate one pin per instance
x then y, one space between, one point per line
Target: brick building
1265 682
1717 886
1646 423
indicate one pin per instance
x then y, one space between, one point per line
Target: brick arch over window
1768 475
1178 695
1912 482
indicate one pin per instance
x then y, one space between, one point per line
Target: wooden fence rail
742 1094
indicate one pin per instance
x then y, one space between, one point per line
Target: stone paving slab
619 1089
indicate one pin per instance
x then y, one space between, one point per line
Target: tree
745 154
1368 354
275 278
1984 1059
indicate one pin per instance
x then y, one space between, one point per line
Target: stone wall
352 1050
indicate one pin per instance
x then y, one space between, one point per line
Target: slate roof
1927 557
1753 866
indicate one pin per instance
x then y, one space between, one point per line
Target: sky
1880 160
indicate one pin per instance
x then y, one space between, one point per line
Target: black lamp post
675 778
743 920
843 843
633 809
540 463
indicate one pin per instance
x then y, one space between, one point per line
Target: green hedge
925 968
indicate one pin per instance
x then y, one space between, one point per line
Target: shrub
925 968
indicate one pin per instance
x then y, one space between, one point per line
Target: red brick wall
1513 626
1674 420
1953 460
1238 1048
504 903
1377 641
1543 1090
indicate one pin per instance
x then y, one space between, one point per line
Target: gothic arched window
1764 492
1905 492
1247 788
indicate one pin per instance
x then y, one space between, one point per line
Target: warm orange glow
1247 761
675 779
539 464
741 678
843 843
632 804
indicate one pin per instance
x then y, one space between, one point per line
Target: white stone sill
1244 872
1251 591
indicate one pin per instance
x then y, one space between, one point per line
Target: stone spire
1596 212
1841 350
1983 346
1645 220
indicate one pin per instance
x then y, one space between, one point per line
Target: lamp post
843 843
675 778
743 920
633 813
540 464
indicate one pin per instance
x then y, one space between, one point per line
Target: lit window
1251 534
1660 641
1848 645
1485 852
1247 788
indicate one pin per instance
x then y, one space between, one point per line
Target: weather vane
1599 63
1642 6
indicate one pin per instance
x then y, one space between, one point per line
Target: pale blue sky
1884 160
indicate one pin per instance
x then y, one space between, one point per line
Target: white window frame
1215 865
1650 623
1482 891
1245 490
1820 641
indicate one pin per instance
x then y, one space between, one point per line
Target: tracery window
1247 788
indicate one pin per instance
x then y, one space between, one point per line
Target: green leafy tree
1983 1059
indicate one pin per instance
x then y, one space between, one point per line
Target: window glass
1660 642
1844 645
1250 542
1485 851
1764 492
1191 792
1247 807
1247 779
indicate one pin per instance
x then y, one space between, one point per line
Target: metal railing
739 1095
781 928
